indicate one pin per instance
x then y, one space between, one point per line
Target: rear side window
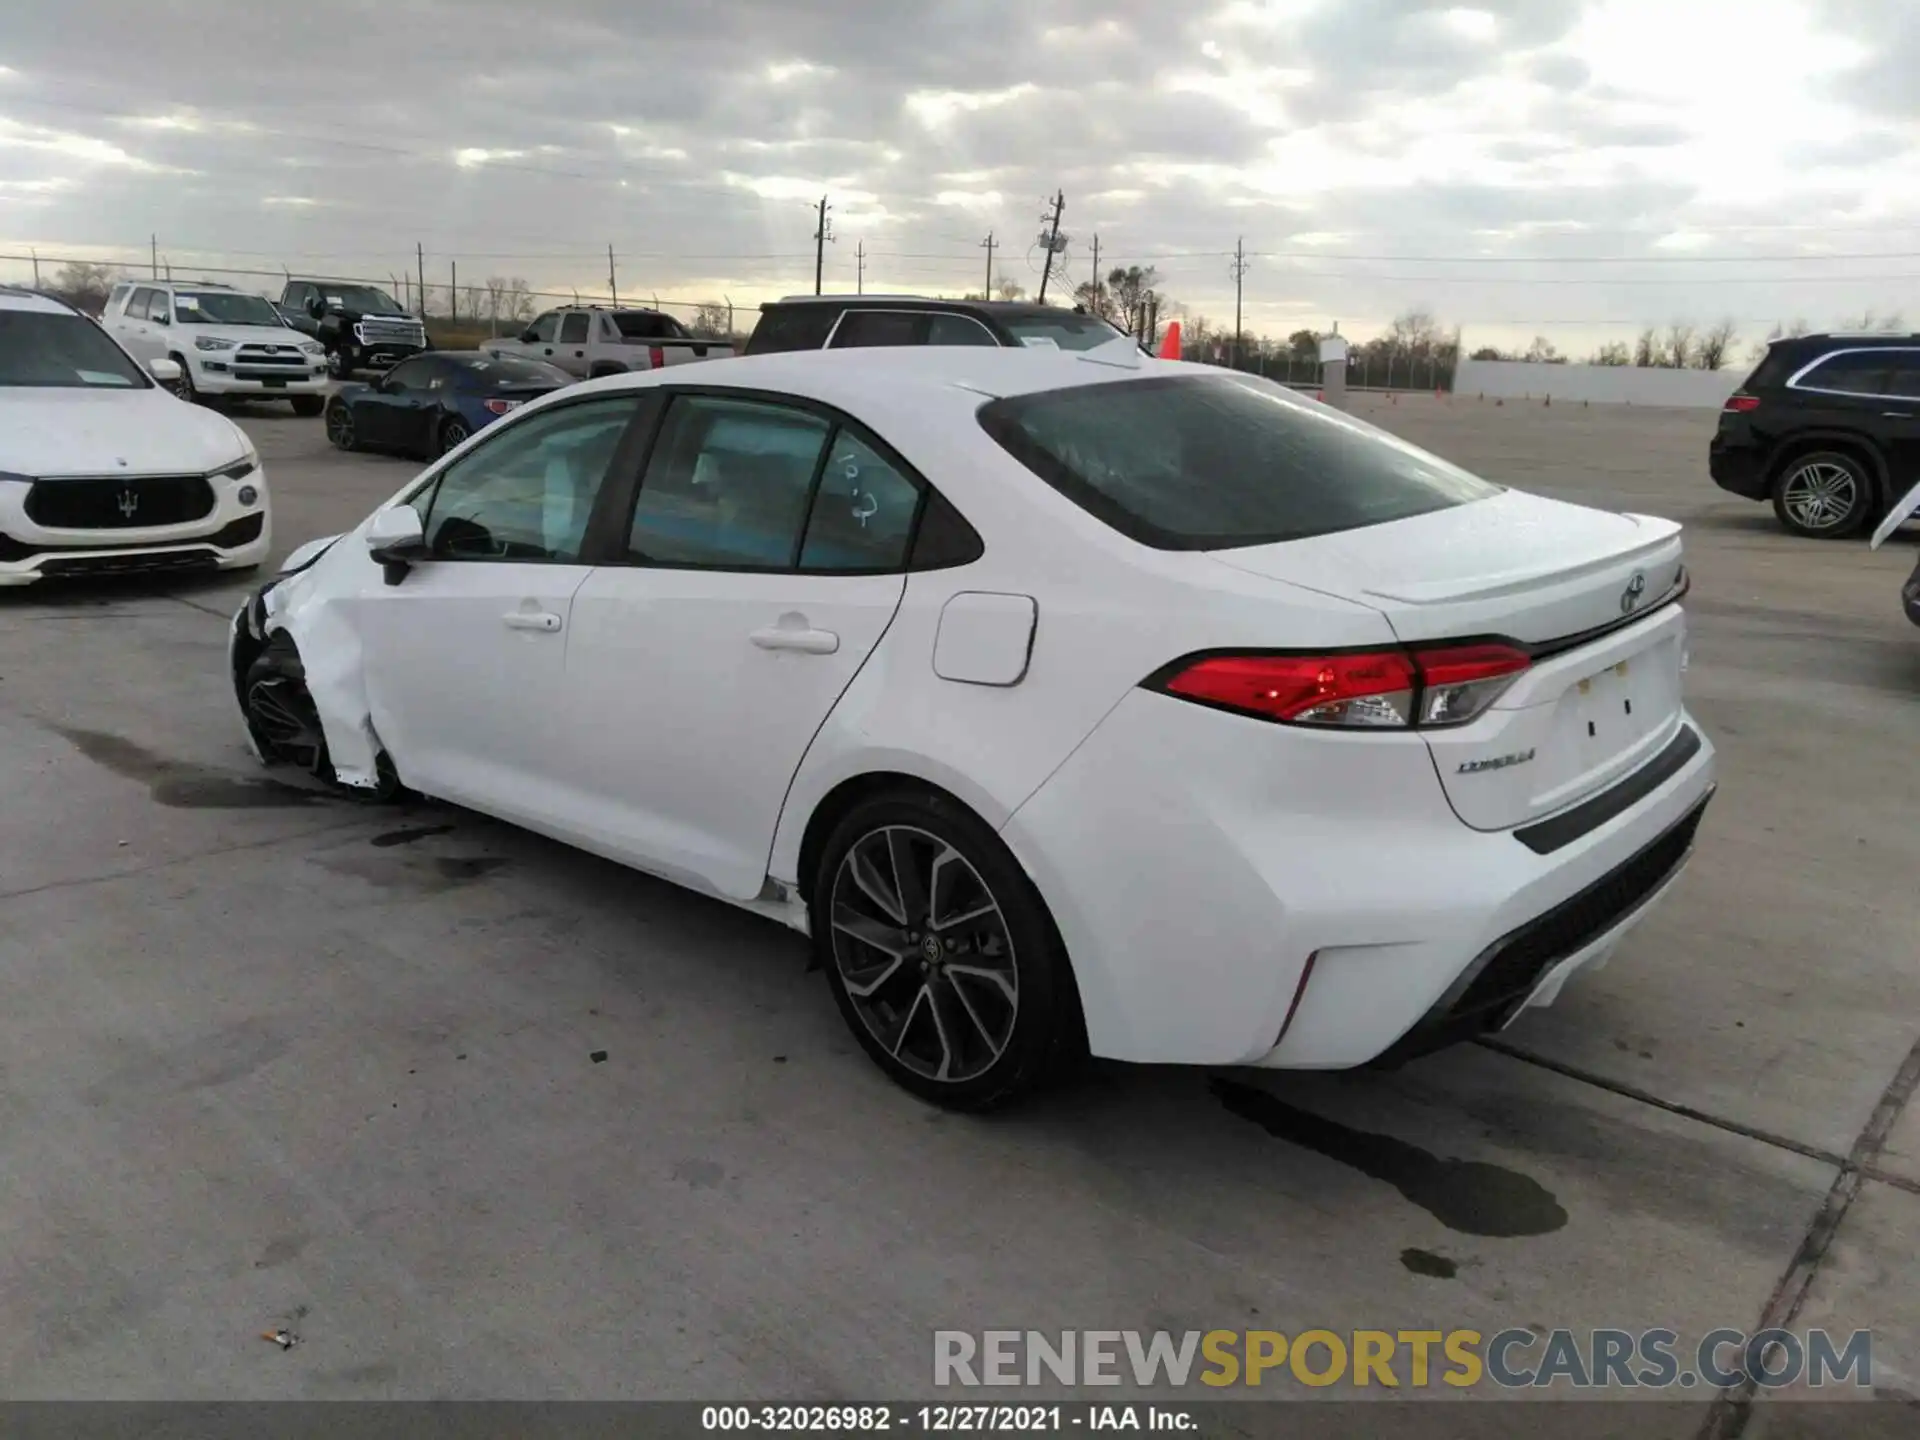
880 327
792 327
1775 368
1904 378
1211 462
1852 372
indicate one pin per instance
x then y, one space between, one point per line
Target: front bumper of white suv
269 369
142 524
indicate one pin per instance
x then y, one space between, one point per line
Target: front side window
573 327
1853 372
527 493
223 307
863 513
728 484
1903 379
61 351
542 331
1210 462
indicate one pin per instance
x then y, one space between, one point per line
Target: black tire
184 387
308 406
285 725
1824 495
342 433
604 369
453 432
924 1009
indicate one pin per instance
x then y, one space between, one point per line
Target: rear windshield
1208 462
1065 331
505 372
646 325
62 352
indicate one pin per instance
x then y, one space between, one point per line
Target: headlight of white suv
313 347
207 342
248 462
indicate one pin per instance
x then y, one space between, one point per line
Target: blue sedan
429 403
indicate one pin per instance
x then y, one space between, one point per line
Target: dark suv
841 322
1827 427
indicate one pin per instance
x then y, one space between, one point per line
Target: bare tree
1008 288
1710 352
1613 353
1791 331
510 300
1676 352
83 285
1543 352
709 321
1132 289
1646 348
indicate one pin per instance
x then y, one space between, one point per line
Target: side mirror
394 538
160 319
317 308
166 371
528 337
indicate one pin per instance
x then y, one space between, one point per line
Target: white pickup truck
593 340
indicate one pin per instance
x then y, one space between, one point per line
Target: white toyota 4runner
226 342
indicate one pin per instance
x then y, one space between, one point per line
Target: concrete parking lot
270 1058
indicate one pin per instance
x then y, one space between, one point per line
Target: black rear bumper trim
1547 836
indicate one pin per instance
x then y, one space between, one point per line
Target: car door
764 559
537 341
1900 415
398 409
141 336
465 657
570 344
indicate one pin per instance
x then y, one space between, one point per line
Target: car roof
1845 339
15 297
916 374
1002 309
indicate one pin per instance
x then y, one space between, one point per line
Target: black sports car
430 403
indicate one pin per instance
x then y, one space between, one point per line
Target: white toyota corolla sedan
1065 700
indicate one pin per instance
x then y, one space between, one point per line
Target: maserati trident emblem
128 503
1630 597
1497 762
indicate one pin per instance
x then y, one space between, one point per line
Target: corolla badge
1497 762
1630 597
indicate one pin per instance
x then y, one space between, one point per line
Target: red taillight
1370 688
500 407
1358 690
1740 404
656 357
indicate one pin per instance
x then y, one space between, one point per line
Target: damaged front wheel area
285 723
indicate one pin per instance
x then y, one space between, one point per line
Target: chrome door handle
531 620
807 641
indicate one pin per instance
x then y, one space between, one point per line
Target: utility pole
1239 275
153 244
613 284
420 262
860 271
36 267
1053 239
988 245
453 291
823 232
1098 284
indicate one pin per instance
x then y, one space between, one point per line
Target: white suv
101 470
225 341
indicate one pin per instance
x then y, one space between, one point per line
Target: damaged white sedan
1068 701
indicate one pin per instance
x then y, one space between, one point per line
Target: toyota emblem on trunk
128 503
1630 597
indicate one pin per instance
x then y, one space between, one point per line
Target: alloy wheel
283 715
453 436
1821 495
340 426
924 953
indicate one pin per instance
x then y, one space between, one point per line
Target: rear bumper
1738 466
1230 894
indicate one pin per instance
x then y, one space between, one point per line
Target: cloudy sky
1566 167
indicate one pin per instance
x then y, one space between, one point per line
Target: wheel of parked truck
308 406
940 953
1825 495
340 428
184 387
453 433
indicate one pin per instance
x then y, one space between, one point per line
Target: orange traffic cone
1170 345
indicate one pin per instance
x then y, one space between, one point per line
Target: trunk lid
1562 581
